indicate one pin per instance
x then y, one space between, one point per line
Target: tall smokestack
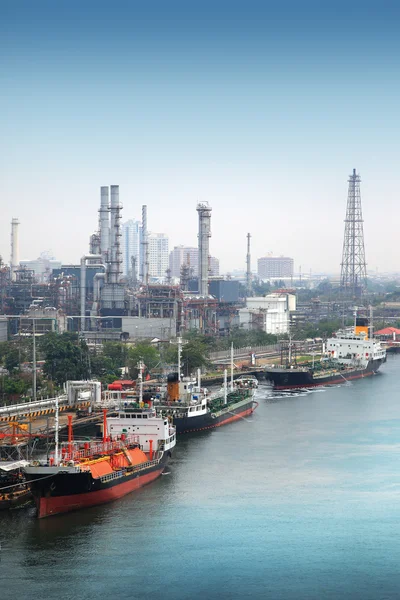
248 266
114 252
204 211
145 246
104 222
14 261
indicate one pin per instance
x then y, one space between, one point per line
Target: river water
302 500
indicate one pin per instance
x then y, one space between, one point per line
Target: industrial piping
83 283
96 284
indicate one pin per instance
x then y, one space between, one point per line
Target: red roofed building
388 332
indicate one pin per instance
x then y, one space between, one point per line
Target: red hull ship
98 472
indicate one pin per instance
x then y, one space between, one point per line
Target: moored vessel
134 451
192 408
350 354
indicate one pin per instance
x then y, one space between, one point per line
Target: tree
193 356
117 352
142 351
14 386
11 358
104 368
260 288
66 357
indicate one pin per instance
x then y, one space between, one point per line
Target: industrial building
122 288
275 267
224 290
42 267
269 313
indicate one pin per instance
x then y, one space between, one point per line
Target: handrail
136 468
94 448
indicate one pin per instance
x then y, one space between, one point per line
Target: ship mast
371 322
179 357
140 377
232 366
56 424
225 386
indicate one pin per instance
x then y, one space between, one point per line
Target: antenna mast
353 276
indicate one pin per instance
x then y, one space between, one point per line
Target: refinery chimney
114 258
145 247
14 261
248 267
104 222
204 211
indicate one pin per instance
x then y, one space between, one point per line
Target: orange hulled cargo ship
86 474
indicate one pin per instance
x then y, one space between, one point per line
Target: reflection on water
299 501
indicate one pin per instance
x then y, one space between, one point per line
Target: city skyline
261 115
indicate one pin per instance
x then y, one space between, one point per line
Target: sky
260 108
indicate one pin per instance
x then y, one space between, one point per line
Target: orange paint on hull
62 504
236 417
245 413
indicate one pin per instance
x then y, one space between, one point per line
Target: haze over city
260 109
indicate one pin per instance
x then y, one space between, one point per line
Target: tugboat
352 353
192 408
134 450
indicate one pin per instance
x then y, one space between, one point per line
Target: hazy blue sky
260 108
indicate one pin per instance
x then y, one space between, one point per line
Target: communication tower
353 276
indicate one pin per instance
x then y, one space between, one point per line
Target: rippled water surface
302 500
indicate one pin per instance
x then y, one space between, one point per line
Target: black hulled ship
350 354
134 451
192 408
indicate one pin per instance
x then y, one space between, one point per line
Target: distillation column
248 266
204 211
104 222
14 262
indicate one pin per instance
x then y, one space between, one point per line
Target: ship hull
284 379
66 492
9 501
212 420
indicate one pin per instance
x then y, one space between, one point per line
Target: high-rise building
214 266
158 254
183 255
189 255
131 238
274 267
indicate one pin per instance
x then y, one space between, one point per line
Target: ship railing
141 467
73 451
111 476
146 465
224 406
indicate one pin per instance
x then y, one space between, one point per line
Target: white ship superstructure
350 347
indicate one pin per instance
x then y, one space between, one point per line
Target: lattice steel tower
353 276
